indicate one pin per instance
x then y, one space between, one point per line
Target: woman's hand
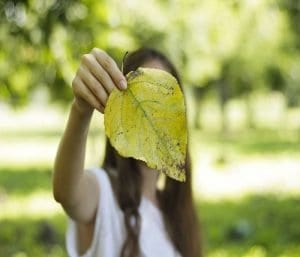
96 77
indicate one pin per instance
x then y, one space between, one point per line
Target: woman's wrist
81 108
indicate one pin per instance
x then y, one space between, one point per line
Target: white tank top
110 232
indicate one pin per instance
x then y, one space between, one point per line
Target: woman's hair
175 198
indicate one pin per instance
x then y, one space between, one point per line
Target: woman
117 210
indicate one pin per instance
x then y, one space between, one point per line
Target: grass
23 181
33 237
251 225
261 142
31 223
268 223
254 226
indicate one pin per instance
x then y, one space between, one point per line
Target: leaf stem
124 58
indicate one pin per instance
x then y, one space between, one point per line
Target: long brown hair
175 198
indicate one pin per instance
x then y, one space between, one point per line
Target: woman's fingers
82 91
97 76
96 69
93 84
109 65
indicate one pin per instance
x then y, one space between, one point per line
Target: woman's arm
70 184
76 190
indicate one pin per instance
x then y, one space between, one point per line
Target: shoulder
101 173
108 221
106 191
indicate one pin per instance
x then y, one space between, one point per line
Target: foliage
246 45
147 121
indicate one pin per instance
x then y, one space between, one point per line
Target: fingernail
123 84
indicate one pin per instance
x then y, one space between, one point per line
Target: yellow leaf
147 121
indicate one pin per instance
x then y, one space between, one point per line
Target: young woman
118 210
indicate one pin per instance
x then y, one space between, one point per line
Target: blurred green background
240 63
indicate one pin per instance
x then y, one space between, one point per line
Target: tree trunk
249 113
198 96
223 93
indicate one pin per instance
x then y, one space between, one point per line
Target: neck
150 177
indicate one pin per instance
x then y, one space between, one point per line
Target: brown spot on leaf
180 166
133 74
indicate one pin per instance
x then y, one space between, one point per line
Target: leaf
147 121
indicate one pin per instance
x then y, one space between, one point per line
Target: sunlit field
246 183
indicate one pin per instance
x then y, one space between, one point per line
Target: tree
239 44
